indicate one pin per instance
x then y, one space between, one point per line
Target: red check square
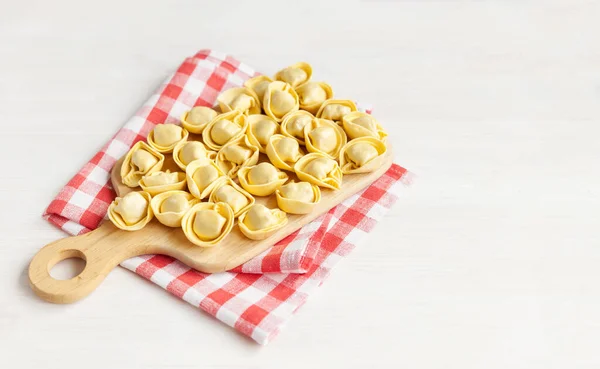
216 81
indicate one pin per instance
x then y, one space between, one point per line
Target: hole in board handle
69 264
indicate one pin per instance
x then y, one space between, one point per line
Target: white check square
252 294
98 176
193 297
162 278
194 86
227 316
133 263
135 124
235 80
81 199
117 149
72 228
220 279
178 109
246 69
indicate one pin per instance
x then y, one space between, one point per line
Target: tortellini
313 94
196 119
188 151
224 128
235 155
362 155
336 109
207 223
295 121
261 222
293 124
358 124
319 170
295 75
202 176
262 179
260 129
164 137
324 136
280 99
158 182
131 212
241 98
283 152
259 85
170 207
141 160
229 192
298 197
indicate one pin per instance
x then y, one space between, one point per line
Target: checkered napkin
258 297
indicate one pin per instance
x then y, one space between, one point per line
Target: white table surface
491 260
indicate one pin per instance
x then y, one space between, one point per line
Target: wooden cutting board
107 246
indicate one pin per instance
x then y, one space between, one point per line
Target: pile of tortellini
290 120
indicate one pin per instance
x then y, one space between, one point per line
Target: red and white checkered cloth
254 303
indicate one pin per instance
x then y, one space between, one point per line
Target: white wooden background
491 260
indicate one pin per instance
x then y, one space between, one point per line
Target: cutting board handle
102 250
